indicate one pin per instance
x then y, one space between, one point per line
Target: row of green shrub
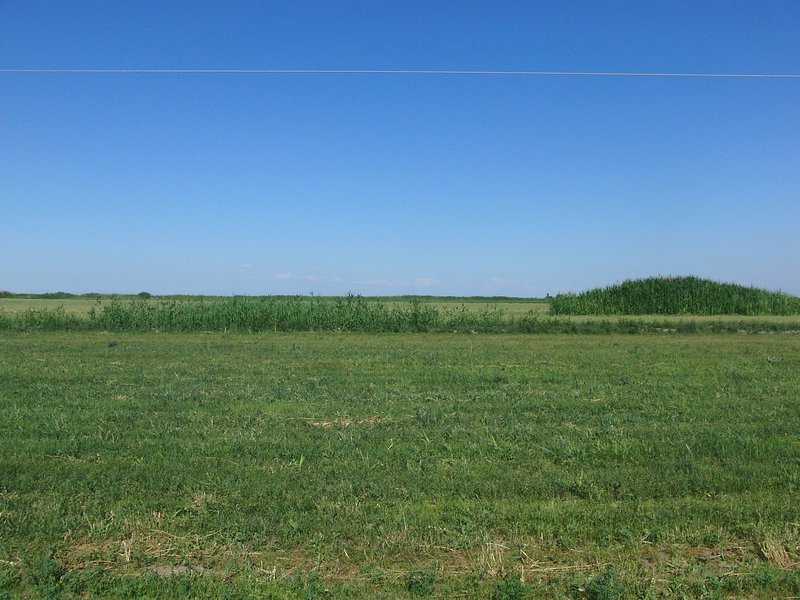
351 313
675 296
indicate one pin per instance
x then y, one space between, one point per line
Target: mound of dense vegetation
675 296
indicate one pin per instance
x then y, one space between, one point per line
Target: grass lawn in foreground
400 465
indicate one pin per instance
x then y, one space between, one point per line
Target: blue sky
390 184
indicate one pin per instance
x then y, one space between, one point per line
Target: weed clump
607 585
422 582
510 588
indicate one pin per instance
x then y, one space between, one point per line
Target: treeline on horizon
345 314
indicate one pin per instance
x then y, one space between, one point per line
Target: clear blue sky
388 184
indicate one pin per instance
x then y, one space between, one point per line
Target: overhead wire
404 72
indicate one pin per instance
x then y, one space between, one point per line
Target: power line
402 72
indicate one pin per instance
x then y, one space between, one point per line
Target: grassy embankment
334 465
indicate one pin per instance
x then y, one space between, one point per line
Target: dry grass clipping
491 559
344 422
774 551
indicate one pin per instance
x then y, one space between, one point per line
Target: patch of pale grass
775 552
345 422
491 559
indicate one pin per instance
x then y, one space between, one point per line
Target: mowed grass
399 465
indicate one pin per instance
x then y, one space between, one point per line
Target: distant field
78 306
499 310
516 309
314 465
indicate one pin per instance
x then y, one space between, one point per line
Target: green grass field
314 465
